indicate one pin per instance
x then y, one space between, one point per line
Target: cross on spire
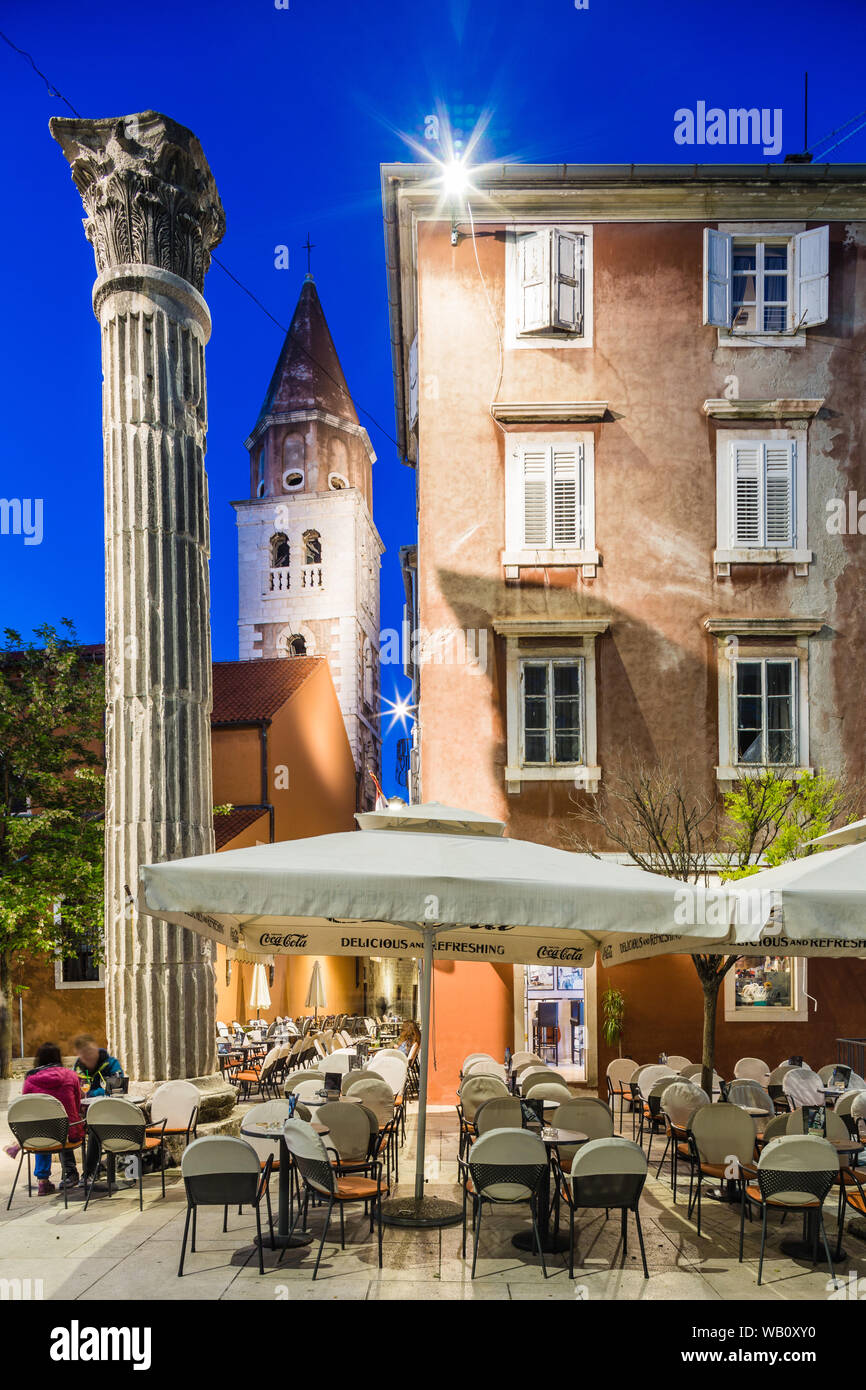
309 247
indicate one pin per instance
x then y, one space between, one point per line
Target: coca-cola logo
293 941
560 953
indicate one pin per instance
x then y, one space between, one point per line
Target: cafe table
552 1242
275 1131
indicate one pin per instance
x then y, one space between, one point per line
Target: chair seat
855 1199
714 1170
355 1189
753 1192
683 1150
180 1130
151 1141
246 1076
54 1148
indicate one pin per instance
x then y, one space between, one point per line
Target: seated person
94 1064
50 1078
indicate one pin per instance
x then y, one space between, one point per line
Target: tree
650 816
51 804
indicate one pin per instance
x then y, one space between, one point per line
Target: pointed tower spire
308 375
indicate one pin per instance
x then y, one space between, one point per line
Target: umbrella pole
426 997
420 1211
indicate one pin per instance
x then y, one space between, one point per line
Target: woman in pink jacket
50 1078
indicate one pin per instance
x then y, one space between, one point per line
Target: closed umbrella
260 995
429 881
315 999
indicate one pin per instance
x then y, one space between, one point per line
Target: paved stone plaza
115 1252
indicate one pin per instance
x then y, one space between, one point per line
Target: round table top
327 1100
550 1136
273 1129
133 1100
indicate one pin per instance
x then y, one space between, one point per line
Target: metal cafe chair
221 1171
679 1102
505 1167
794 1173
175 1104
121 1131
334 1184
619 1073
720 1136
40 1125
607 1173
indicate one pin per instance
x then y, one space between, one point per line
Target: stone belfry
308 551
153 217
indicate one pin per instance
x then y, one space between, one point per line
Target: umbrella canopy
852 834
814 906
316 992
429 881
378 892
260 995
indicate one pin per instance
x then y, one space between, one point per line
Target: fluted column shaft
153 216
160 997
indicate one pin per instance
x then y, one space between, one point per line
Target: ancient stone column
153 216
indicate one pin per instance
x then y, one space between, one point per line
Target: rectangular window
767 285
766 727
763 483
766 989
552 718
761 293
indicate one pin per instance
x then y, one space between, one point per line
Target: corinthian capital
148 192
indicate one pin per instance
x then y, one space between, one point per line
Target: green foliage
772 818
613 1015
51 794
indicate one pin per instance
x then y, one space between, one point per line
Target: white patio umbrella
260 995
814 906
852 834
427 881
315 999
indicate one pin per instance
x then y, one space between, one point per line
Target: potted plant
613 1017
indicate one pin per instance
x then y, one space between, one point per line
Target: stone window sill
587 561
759 555
730 777
582 777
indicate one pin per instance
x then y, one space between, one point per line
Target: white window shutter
747 465
534 250
779 492
568 262
536 498
717 278
413 381
567 496
813 277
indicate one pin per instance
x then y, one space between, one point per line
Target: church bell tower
308 551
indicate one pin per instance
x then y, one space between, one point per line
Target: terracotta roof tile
225 828
251 690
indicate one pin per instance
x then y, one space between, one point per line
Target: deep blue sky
295 110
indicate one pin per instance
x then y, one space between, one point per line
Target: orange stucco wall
55 1015
472 1011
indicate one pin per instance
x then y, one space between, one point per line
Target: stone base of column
218 1098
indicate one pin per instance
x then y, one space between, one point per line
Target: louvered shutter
536 499
813 277
534 278
568 261
779 493
747 468
717 278
566 469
